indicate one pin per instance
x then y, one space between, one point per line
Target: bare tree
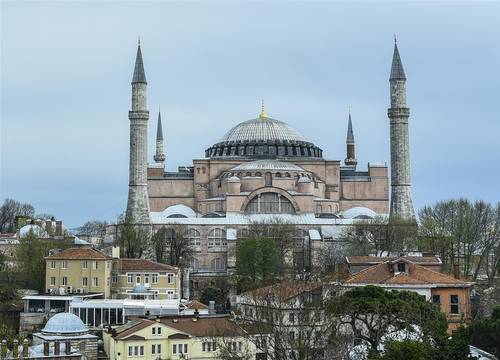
290 318
133 239
172 245
93 228
10 210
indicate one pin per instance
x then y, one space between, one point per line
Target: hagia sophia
262 171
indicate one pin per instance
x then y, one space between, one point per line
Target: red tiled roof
360 260
79 253
195 304
132 327
416 275
141 265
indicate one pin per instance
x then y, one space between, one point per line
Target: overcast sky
66 69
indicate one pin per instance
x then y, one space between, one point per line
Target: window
95 265
193 264
141 350
114 278
130 351
52 280
269 203
64 281
174 349
64 264
170 294
243 233
138 278
291 317
146 279
154 278
136 350
53 264
401 267
217 237
453 304
156 349
85 264
107 281
170 278
95 282
85 281
218 264
193 236
129 278
153 330
436 299
268 179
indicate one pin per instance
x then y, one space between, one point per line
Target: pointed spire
139 75
350 133
397 71
159 130
263 114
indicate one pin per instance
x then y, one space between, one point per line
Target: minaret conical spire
139 74
159 156
397 70
350 159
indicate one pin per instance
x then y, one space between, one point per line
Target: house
450 293
176 338
79 269
159 281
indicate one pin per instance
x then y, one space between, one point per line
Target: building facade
261 171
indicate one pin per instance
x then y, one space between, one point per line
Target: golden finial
263 113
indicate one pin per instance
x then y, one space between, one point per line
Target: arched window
193 264
217 237
319 209
193 236
330 209
218 264
269 203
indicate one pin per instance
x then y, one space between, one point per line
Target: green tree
213 293
133 240
485 333
256 262
372 313
30 257
406 349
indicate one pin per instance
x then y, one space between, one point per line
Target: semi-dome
64 323
263 137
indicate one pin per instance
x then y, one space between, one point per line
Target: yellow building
79 270
157 281
177 338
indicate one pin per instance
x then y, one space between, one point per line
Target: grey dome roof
64 323
267 165
262 129
263 137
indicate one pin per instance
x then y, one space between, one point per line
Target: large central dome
263 129
263 137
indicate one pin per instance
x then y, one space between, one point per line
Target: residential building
358 263
160 281
450 293
80 270
176 338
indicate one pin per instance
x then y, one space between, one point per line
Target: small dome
233 179
273 165
304 179
359 212
139 289
64 323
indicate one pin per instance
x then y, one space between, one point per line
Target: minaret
350 160
401 199
160 155
138 203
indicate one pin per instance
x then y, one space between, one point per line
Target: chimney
67 347
211 307
46 348
26 348
59 231
57 347
3 347
115 252
15 348
456 271
48 227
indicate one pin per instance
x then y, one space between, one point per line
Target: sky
66 69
